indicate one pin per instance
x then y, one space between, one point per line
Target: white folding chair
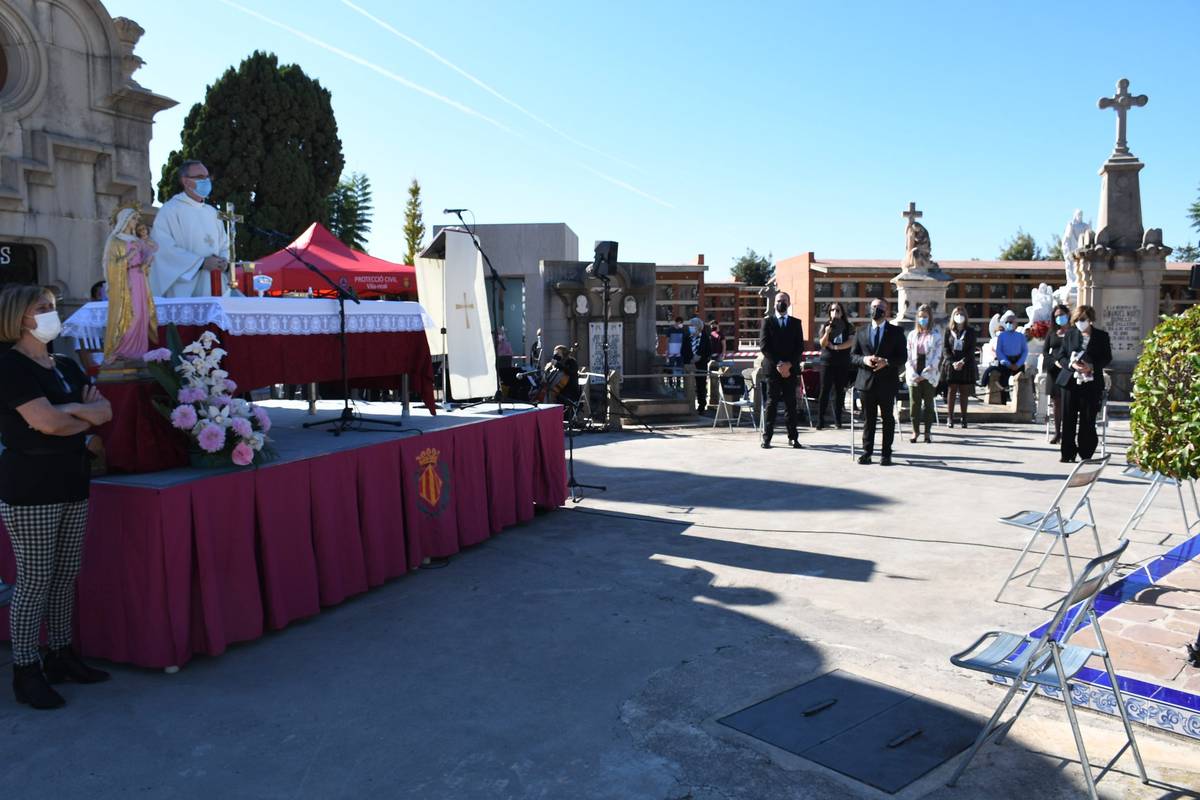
1055 523
1157 482
1050 662
743 405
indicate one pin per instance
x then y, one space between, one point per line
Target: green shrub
1165 414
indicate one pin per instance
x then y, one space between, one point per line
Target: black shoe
865 458
963 424
886 461
820 426
795 444
1004 398
840 425
1066 460
31 688
1056 439
766 444
928 440
63 665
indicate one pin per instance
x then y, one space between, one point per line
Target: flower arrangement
1037 329
223 429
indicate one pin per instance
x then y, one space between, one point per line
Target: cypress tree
269 138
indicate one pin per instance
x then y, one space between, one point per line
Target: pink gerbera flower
184 418
242 427
212 438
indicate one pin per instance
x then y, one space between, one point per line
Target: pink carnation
191 395
264 421
242 427
212 438
184 418
243 455
161 354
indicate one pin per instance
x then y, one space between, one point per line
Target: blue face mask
1008 326
1061 320
203 187
923 322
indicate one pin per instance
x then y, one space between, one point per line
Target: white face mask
1083 325
48 326
959 319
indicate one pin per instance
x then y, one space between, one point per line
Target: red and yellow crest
433 481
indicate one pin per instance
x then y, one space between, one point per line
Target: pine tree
753 269
350 210
1021 247
269 138
414 225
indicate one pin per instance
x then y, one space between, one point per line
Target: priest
191 239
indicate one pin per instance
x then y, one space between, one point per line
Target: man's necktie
878 335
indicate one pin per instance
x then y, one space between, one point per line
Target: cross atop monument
912 215
1122 101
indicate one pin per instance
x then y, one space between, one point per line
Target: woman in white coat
921 371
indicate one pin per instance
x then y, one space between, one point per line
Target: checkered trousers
47 541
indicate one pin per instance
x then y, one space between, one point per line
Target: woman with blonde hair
46 406
960 368
921 370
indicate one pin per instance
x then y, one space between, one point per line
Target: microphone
454 210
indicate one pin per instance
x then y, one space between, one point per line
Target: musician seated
562 376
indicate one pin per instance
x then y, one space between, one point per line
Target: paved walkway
588 653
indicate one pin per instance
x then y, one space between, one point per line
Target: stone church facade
75 132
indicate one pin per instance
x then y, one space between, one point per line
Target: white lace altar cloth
272 316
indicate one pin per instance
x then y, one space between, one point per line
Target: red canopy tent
366 275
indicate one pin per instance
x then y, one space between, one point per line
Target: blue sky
679 128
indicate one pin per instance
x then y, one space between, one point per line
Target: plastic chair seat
1008 654
1030 520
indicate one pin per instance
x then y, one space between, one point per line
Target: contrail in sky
465 109
373 67
432 54
624 185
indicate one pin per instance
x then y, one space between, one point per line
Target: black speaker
1195 284
606 260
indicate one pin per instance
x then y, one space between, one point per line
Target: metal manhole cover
874 733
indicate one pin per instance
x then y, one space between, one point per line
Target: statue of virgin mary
132 319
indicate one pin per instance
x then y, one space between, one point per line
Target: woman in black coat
1086 351
958 364
1059 325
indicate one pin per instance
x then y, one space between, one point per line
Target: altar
294 339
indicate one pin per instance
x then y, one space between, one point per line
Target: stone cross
912 215
1122 101
464 306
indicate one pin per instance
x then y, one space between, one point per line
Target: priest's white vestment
187 232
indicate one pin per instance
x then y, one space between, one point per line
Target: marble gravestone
921 280
1119 266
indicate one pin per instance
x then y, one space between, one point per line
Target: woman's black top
1052 350
36 468
840 332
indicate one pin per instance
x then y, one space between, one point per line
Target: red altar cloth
260 360
193 568
139 438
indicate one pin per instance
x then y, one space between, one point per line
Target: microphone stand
494 276
349 419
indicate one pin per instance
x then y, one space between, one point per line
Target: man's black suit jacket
782 343
892 346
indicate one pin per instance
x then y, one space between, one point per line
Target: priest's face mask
197 181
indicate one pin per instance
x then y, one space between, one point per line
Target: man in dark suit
702 350
782 345
879 353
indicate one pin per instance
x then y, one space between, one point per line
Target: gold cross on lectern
465 305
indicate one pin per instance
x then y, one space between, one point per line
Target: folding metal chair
1050 662
1057 524
743 404
1157 481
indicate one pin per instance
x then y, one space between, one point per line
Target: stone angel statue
132 318
918 253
